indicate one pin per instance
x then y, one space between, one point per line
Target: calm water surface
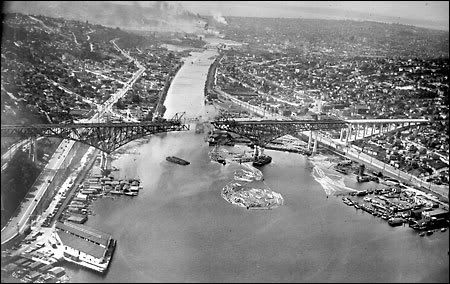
179 228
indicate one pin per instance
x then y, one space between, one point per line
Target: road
250 107
11 151
18 223
104 76
84 99
261 93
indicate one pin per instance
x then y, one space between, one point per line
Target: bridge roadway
386 121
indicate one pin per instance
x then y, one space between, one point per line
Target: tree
413 148
136 98
120 104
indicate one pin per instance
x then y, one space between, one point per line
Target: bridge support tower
105 163
310 140
32 150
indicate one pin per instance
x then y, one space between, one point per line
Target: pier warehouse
85 246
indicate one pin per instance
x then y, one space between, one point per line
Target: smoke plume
219 18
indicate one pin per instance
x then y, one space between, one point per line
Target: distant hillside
162 16
342 35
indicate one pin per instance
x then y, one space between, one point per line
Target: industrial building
85 246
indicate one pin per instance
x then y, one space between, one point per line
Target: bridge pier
349 132
310 140
32 150
341 136
315 142
105 163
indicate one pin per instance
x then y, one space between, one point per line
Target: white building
85 246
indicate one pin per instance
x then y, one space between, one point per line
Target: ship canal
180 229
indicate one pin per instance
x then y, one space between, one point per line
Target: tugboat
177 160
262 160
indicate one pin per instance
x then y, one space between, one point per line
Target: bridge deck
287 121
89 125
397 120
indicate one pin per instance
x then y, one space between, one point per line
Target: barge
177 160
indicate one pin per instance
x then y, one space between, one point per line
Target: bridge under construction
110 136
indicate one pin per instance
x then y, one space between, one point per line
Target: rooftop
82 231
81 244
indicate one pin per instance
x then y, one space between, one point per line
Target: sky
429 14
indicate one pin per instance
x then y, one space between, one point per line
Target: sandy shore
323 172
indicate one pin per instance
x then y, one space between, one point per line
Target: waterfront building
85 246
58 271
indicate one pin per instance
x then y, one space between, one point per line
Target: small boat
356 206
430 232
177 160
262 160
422 234
443 229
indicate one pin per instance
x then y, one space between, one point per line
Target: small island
251 198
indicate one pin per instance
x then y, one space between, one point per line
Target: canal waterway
179 228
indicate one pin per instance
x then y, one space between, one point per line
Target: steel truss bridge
262 132
110 136
105 136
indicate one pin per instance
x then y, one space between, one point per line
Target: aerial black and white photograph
225 141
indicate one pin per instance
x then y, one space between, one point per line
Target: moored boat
262 160
177 160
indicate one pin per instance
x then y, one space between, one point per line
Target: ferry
177 160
